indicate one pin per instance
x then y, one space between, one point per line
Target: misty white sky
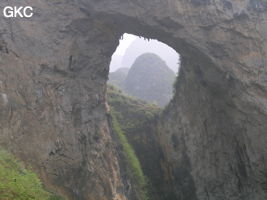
124 44
131 46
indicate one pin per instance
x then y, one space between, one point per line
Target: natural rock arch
54 69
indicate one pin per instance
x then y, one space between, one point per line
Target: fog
132 46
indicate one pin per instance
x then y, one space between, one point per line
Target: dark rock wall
208 140
53 112
53 72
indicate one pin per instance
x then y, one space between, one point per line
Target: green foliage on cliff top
17 183
131 113
132 160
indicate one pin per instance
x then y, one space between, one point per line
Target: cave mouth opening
145 69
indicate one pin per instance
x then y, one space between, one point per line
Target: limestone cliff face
53 72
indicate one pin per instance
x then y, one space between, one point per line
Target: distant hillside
131 112
115 62
117 78
141 46
150 79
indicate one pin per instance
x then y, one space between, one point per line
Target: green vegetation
131 113
117 78
17 183
56 197
132 160
131 119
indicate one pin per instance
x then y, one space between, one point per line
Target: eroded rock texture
53 72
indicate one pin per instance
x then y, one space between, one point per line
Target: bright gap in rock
144 69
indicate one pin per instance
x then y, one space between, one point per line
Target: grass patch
132 160
18 183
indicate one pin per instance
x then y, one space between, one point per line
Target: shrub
132 160
18 183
